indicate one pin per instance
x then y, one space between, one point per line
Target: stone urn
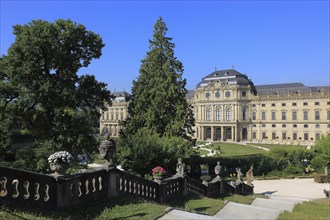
107 150
59 169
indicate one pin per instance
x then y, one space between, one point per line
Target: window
306 136
107 116
263 105
328 103
263 116
283 116
243 93
305 126
227 94
274 135
263 134
254 125
207 95
294 136
218 115
294 125
317 126
294 116
253 105
305 115
263 125
317 136
317 103
317 115
273 104
117 116
283 135
294 104
254 115
244 113
111 115
217 94
273 125
208 114
328 115
254 135
305 103
273 116
228 115
121 116
283 125
283 104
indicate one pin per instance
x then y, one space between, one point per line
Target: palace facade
228 107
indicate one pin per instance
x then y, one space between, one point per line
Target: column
233 133
202 136
212 133
222 133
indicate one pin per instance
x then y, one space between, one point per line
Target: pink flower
158 171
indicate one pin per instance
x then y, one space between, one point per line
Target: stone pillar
112 190
202 130
212 133
233 133
222 133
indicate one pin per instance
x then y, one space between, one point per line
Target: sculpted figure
249 176
239 175
107 149
180 168
217 169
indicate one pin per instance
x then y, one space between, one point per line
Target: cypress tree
159 94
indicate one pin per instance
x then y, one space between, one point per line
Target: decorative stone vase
59 169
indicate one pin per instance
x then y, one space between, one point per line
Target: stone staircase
260 208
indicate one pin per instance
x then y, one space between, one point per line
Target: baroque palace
228 107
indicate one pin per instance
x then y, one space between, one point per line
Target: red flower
158 171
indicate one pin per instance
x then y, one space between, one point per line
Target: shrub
320 178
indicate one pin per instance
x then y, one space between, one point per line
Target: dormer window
227 94
217 94
207 95
243 93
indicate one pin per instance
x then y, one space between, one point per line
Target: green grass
117 208
317 209
271 146
228 150
202 152
125 208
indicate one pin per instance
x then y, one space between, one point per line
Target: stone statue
217 169
249 176
107 150
180 168
239 176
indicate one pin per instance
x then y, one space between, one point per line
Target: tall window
254 135
284 116
107 116
218 115
228 115
244 113
116 115
263 116
121 116
273 135
328 115
208 114
294 136
294 116
273 116
263 134
254 115
284 136
317 136
306 136
305 115
111 115
317 115
207 95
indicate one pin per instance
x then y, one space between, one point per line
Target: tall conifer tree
159 94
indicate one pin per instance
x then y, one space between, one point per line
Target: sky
270 41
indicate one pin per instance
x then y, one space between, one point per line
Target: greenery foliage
40 87
322 154
159 94
141 152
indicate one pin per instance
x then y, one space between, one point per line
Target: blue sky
270 41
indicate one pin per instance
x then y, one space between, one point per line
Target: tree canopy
159 94
40 82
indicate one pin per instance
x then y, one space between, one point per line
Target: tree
322 154
52 101
159 95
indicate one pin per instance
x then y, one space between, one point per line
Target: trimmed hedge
320 178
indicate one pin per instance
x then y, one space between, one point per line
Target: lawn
228 150
125 208
271 146
317 209
202 152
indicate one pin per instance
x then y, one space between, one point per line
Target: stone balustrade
25 188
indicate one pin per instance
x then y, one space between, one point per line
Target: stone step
288 199
274 204
178 214
234 210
